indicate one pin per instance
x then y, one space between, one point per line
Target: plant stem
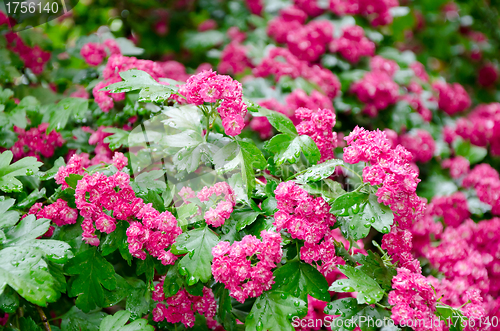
44 319
382 306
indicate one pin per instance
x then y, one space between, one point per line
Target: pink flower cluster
245 266
377 11
324 253
486 181
391 169
78 162
59 212
353 44
95 194
453 209
420 144
468 253
377 90
378 63
452 97
318 124
414 99
458 166
482 126
290 19
468 256
182 305
299 99
93 53
413 300
156 233
218 215
303 216
310 41
281 62
488 75
233 59
311 7
35 142
33 58
226 93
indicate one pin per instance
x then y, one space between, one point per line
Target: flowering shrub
251 165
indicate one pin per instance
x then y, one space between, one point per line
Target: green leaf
150 89
327 188
32 197
279 121
186 117
250 157
352 315
118 138
54 250
197 244
244 217
374 267
148 180
187 138
120 292
436 185
301 279
138 300
9 300
173 280
77 320
117 240
287 148
63 110
357 212
224 312
8 217
273 311
185 212
24 167
227 158
197 41
23 269
93 273
472 153
368 289
119 319
27 324
146 267
72 180
29 228
57 271
319 171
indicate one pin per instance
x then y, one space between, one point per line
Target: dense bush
258 165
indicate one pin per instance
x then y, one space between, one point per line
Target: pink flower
93 53
353 44
232 266
377 90
319 125
35 142
452 97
